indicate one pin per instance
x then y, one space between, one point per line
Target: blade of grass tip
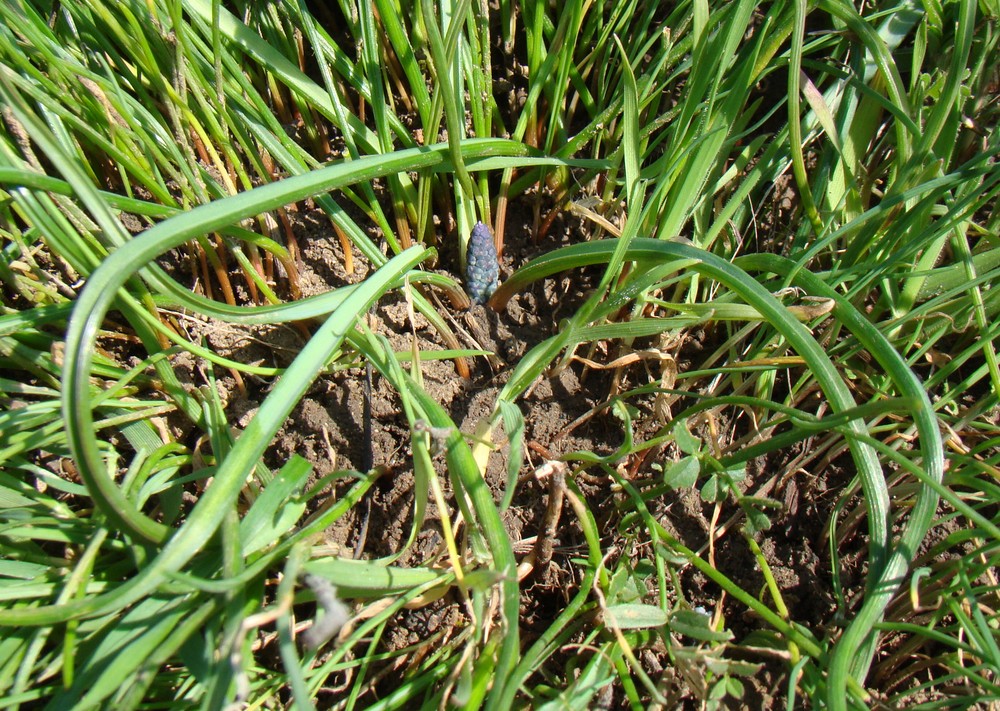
513 423
795 117
699 10
301 698
630 134
214 503
845 660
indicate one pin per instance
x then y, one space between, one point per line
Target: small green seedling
721 481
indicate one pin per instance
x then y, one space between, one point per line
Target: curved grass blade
847 658
213 505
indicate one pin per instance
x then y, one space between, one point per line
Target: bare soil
564 412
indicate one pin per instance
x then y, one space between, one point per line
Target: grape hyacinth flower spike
482 270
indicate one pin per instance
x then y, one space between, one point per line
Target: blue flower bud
482 270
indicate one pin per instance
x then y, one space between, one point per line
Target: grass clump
749 253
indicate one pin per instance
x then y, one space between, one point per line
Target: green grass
814 189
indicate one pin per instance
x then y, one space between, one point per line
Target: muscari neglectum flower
482 269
